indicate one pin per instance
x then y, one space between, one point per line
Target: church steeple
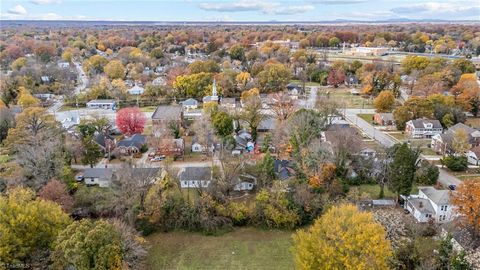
214 91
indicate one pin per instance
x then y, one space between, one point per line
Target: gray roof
168 112
104 173
422 205
282 169
136 140
227 101
419 123
268 123
195 173
386 116
438 196
459 126
100 139
189 102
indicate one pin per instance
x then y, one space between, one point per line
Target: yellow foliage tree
467 201
250 93
19 63
114 70
28 225
25 99
344 238
384 101
243 78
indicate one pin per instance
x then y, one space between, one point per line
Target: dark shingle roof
168 113
196 173
419 123
103 173
136 140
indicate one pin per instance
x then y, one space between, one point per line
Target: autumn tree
283 107
29 226
467 201
222 123
274 77
92 151
19 63
384 101
194 85
253 113
7 121
467 92
343 238
130 121
115 70
25 99
57 192
237 52
460 142
336 76
96 245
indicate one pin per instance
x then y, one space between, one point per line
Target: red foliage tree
336 77
56 191
130 121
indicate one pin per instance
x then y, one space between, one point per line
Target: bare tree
253 113
130 186
283 106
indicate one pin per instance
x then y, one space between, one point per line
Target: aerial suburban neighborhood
274 142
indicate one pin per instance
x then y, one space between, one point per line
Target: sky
239 10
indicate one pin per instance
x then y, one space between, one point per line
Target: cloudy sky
239 10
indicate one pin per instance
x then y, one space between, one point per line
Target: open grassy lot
345 99
366 116
244 248
373 190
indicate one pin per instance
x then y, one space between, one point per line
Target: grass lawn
373 190
473 122
148 108
244 248
306 83
366 116
66 108
398 135
345 99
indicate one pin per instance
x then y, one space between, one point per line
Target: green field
373 191
244 248
366 116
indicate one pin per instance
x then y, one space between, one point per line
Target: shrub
455 163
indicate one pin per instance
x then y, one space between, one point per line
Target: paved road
444 177
78 89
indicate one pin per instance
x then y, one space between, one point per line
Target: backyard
244 248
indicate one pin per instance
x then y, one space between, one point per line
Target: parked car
452 187
79 178
157 158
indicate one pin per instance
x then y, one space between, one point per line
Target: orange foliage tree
467 201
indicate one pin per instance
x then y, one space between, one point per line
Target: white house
214 96
195 177
98 176
473 155
189 104
136 90
430 204
423 128
102 104
245 183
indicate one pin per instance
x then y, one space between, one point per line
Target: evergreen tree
402 168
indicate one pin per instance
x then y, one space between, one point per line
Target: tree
92 151
333 42
343 238
115 70
464 65
57 192
25 99
237 52
267 170
272 210
28 226
384 101
157 53
467 201
253 113
95 245
19 63
427 174
414 62
194 85
402 168
283 107
274 77
460 142
130 121
7 121
243 78
223 123
336 76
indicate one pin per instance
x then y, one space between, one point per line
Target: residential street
444 178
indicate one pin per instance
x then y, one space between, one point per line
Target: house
136 90
423 128
367 51
228 103
63 65
172 147
473 155
243 142
98 176
384 119
214 96
105 141
367 152
282 169
245 183
267 125
108 104
189 104
430 204
131 145
159 81
195 177
164 117
45 79
352 80
442 143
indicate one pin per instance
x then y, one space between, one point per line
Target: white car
157 158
